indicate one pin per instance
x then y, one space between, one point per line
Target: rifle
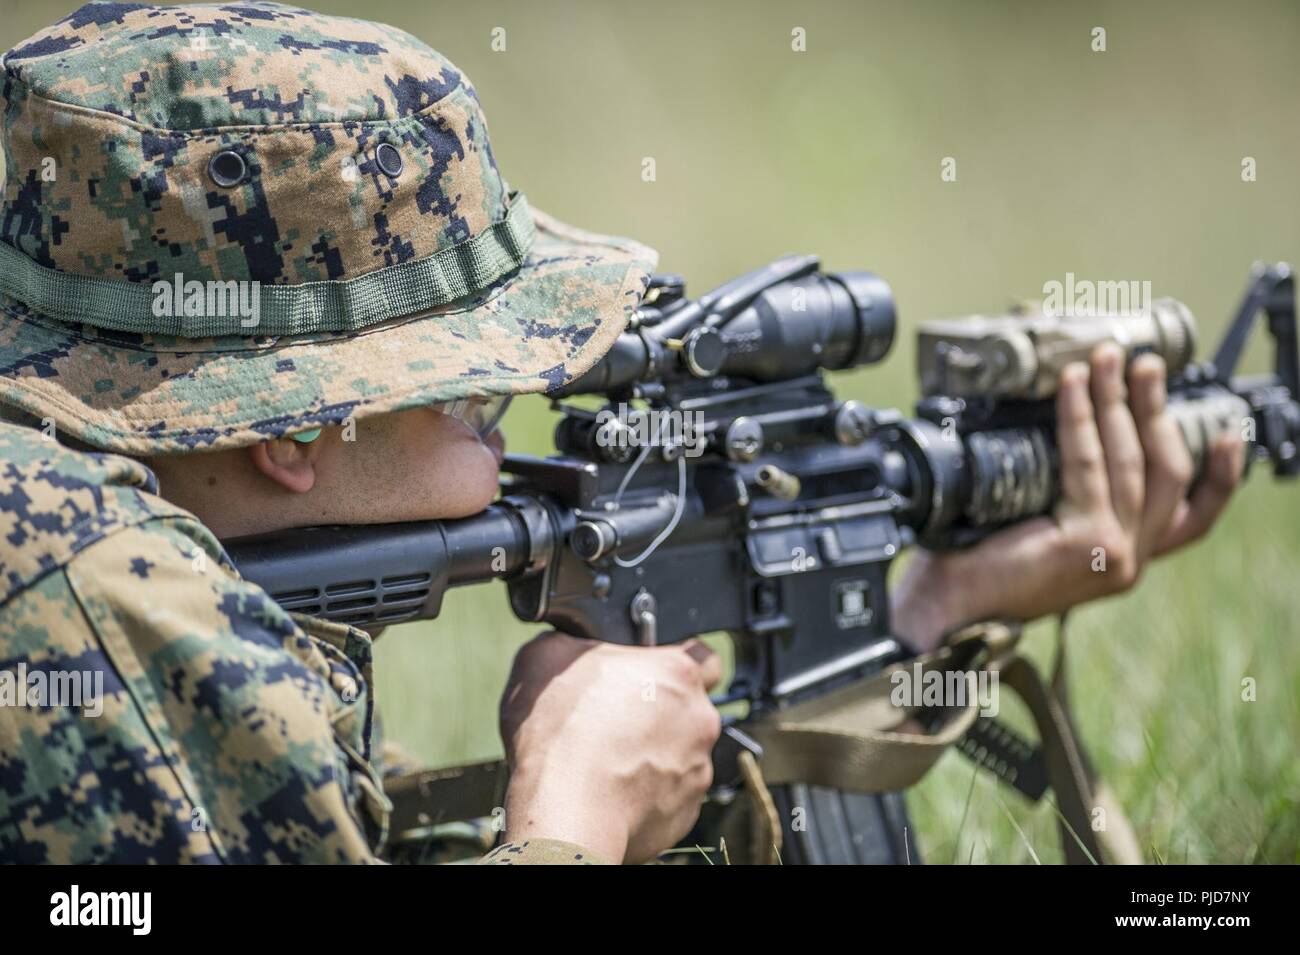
740 495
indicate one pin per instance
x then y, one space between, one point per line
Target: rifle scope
777 323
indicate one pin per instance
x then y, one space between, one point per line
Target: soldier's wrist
563 804
930 600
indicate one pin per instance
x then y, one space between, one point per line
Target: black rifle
761 506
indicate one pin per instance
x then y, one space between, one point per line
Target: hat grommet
227 168
389 160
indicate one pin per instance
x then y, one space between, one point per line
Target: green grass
1157 687
1122 165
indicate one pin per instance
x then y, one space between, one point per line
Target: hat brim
532 332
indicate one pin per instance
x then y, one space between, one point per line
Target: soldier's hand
1125 473
609 746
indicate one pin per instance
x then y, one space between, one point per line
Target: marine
340 173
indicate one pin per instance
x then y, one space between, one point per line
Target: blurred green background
1117 165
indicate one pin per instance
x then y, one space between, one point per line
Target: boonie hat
223 224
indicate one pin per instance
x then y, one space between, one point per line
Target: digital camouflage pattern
227 733
131 102
230 731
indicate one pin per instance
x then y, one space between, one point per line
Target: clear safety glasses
481 414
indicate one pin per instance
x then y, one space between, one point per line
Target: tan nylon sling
856 739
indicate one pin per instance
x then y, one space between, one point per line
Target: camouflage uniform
239 144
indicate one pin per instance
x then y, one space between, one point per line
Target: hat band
264 309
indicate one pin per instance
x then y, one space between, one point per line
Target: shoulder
129 556
214 705
56 502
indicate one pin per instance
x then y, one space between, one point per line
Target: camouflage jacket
154 707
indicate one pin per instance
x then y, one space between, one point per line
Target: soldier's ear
289 463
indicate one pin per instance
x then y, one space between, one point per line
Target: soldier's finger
1125 465
1197 515
1168 465
1083 464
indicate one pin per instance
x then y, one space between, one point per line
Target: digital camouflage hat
223 224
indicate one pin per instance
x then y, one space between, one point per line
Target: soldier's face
409 465
404 466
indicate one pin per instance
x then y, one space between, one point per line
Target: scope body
777 323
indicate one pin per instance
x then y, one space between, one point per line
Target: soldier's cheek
460 478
